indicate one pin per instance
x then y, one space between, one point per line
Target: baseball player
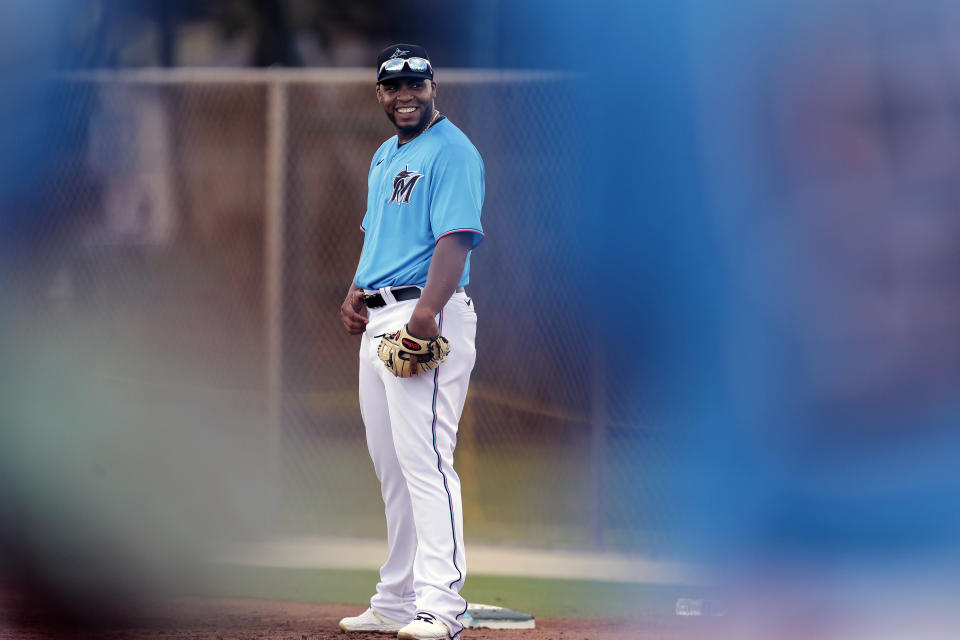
425 192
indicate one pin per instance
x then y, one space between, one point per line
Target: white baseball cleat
371 621
424 627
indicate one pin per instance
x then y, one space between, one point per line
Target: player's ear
434 83
379 96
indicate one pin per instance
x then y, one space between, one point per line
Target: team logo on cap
403 184
398 53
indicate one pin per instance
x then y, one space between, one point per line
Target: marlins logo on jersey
403 184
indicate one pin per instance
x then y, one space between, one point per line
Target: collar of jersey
397 146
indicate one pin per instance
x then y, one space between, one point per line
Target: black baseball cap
414 69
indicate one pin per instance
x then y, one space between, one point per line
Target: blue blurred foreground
772 203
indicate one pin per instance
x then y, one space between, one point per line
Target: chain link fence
209 226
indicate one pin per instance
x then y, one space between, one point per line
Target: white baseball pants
411 427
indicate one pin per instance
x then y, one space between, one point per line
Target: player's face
408 102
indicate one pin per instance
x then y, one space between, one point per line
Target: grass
537 497
580 599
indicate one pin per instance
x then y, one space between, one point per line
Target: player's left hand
423 323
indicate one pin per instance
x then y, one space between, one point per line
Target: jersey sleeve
456 194
378 154
366 213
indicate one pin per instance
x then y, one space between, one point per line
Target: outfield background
212 310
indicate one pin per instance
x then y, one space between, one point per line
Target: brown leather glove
407 355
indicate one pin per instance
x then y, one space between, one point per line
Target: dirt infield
247 619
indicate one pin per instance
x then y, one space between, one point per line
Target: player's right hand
351 313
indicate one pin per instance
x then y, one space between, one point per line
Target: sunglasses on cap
394 65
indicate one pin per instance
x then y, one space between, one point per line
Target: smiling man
424 195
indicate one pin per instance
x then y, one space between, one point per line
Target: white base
488 616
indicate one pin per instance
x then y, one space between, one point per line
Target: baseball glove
407 355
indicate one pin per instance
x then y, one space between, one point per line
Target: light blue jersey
417 193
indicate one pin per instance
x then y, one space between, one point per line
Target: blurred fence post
273 257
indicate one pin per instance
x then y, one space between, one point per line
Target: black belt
375 300
400 294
